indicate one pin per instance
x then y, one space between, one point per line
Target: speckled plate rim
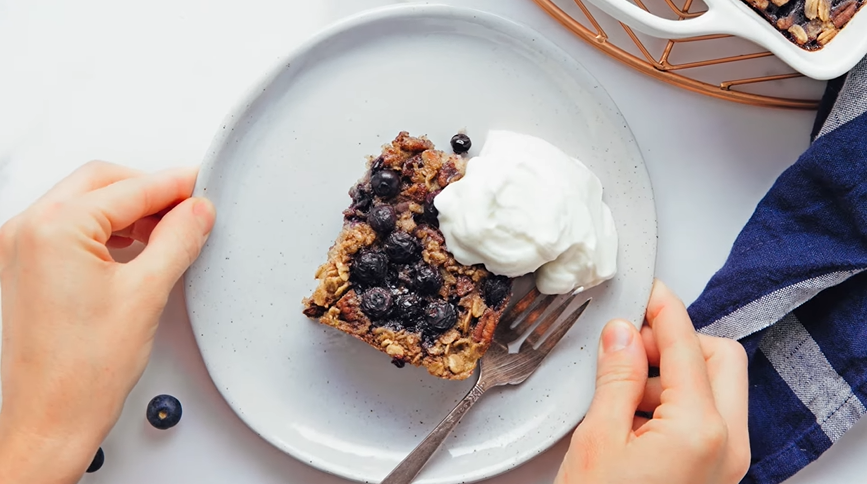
238 112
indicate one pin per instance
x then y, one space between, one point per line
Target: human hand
698 433
77 325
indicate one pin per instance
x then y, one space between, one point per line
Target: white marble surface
147 84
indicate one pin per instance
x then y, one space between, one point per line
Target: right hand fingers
652 395
620 379
727 368
724 364
682 367
727 371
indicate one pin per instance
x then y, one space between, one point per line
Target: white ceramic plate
278 173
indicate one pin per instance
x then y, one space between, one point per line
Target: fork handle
409 468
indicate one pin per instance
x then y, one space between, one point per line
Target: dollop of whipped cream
526 206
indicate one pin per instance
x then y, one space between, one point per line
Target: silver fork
499 367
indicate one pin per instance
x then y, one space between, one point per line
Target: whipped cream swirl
526 206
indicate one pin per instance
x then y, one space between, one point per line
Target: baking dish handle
719 19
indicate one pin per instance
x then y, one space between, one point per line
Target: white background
145 84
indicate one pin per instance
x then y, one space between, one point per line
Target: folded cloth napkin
794 292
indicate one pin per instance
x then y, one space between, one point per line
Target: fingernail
617 335
205 213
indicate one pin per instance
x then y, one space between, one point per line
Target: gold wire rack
679 74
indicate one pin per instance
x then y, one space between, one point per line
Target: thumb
621 376
176 241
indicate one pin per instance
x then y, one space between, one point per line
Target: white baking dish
735 17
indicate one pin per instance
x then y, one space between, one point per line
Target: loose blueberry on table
390 280
97 462
164 412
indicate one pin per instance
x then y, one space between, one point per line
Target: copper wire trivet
590 30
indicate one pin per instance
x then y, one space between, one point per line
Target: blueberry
440 315
496 289
369 267
361 198
431 213
164 412
405 276
382 219
376 303
97 462
429 336
402 247
427 279
385 183
398 362
461 143
410 307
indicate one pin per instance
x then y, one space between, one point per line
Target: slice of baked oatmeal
389 279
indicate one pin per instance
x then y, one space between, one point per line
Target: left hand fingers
175 243
90 176
121 204
638 422
139 231
115 242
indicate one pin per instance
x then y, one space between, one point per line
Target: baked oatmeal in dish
808 23
390 280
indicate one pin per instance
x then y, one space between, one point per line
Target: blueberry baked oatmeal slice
390 280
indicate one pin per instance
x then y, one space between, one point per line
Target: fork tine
546 324
525 320
532 314
561 331
515 312
526 313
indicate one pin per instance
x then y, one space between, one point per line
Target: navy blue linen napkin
794 292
